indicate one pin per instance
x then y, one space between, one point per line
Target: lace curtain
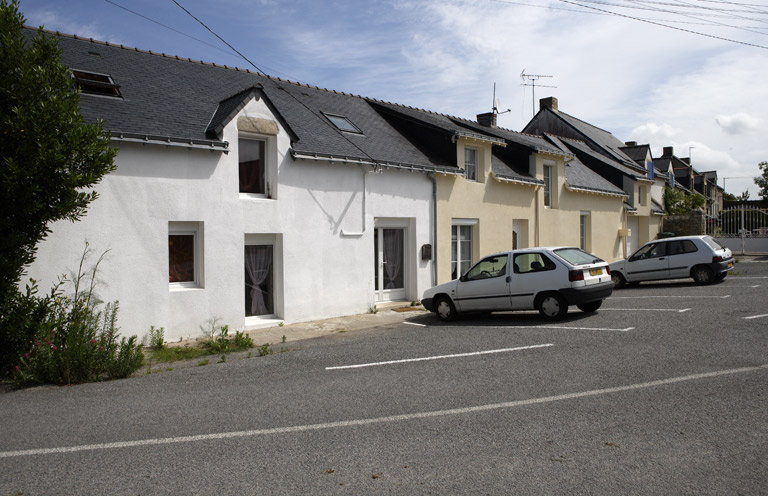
258 264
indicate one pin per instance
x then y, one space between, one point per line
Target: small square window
252 166
184 254
343 124
92 83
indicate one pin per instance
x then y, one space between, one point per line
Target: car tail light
608 270
717 258
575 275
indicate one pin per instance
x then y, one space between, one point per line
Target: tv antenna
497 104
530 80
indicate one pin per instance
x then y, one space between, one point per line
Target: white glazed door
390 263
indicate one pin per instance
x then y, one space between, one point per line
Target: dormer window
92 83
470 163
343 124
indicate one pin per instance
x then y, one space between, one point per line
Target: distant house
600 151
689 180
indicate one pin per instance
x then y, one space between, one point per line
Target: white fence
742 228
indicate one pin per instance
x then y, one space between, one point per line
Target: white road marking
559 327
645 310
662 296
439 357
757 316
380 420
414 324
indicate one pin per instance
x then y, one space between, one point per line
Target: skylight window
343 124
92 83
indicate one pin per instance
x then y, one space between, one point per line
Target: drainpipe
431 175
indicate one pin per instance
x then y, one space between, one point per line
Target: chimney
631 143
668 151
548 103
488 119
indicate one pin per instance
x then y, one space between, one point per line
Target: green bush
76 339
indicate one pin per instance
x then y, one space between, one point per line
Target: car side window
532 262
495 266
680 247
650 251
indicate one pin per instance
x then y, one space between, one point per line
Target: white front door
389 245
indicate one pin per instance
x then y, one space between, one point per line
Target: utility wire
667 26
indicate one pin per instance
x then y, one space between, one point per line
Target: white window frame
471 167
459 224
270 157
548 184
194 229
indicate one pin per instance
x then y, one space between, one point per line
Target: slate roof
580 176
184 100
584 151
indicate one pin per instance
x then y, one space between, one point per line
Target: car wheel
720 276
702 274
618 279
444 309
590 307
552 306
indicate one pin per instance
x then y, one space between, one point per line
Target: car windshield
575 256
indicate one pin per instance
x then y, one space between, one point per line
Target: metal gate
742 228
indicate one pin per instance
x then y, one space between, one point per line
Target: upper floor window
548 185
253 166
92 83
470 163
343 124
184 254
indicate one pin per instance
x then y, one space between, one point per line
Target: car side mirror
463 278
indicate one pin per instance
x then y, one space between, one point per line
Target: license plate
730 264
595 272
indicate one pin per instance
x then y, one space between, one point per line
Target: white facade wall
323 242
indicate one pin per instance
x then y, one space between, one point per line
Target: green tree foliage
49 161
677 202
762 180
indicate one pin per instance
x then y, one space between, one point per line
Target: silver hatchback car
699 257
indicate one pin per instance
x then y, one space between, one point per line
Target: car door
648 263
532 273
485 286
682 256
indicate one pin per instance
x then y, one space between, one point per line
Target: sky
692 74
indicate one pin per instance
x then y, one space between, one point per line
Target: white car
543 279
699 257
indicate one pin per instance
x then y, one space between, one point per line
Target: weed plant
76 339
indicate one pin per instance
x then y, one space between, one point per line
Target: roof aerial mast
532 78
496 103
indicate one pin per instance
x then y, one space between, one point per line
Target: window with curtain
259 284
252 166
181 258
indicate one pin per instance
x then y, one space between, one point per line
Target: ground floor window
461 249
259 280
184 254
584 240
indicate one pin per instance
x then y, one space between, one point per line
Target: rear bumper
720 267
577 296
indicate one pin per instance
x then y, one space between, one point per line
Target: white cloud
739 123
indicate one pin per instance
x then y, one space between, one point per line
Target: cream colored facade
502 214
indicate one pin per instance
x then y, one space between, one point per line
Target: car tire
444 309
702 274
618 280
590 307
552 306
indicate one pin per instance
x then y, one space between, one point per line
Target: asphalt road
663 391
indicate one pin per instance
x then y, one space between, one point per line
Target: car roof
534 249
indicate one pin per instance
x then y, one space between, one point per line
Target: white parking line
756 316
645 310
414 324
559 327
380 420
663 296
439 357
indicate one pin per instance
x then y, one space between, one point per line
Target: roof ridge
193 61
584 122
